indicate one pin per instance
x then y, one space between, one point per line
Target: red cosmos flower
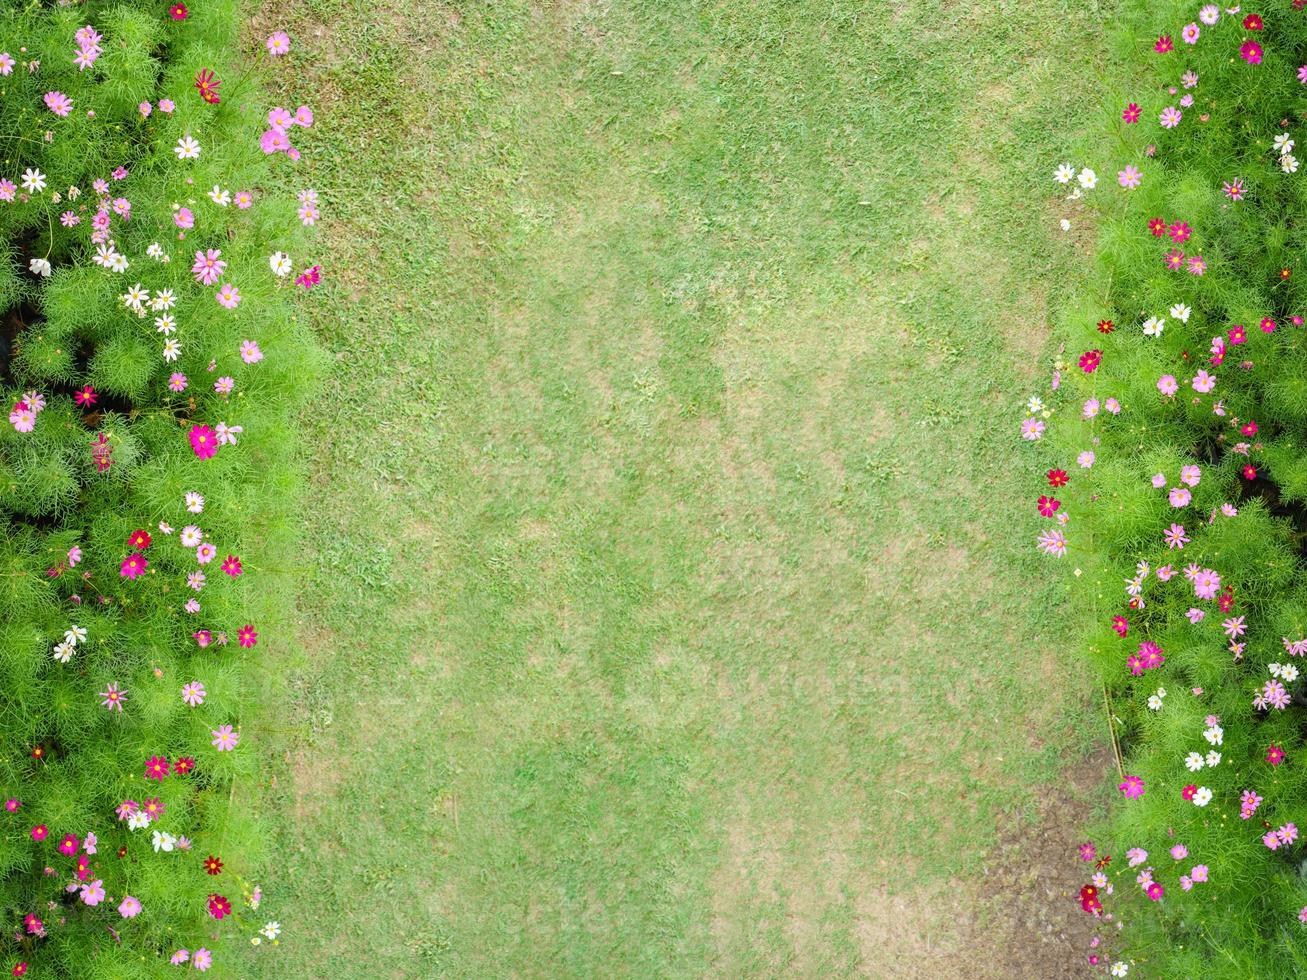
1103 862
1089 900
102 453
1090 360
183 765
1133 603
156 767
19 969
40 832
1131 114
1121 625
1189 791
1250 472
1275 755
207 83
140 540
1058 478
246 637
1048 506
204 441
1267 325
1157 226
213 865
1163 44
1237 334
1252 23
1106 326
133 566
1249 428
1225 601
1180 232
232 566
1251 52
85 396
122 852
219 906
178 11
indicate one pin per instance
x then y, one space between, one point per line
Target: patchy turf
661 614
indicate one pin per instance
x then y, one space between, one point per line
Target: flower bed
1173 492
153 365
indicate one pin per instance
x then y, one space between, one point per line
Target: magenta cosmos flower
204 441
246 637
1131 113
1251 52
1132 787
156 767
133 566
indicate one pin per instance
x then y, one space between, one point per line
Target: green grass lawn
664 612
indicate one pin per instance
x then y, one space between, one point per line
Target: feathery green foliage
1242 504
67 511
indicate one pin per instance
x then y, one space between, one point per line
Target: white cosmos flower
1289 163
165 324
33 181
1065 173
280 263
1283 144
1088 179
171 350
1154 326
63 652
1193 761
1213 758
75 635
40 267
1181 312
1203 796
187 148
220 197
118 262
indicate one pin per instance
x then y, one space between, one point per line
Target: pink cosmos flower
129 908
224 740
1179 852
1155 891
205 553
1170 117
202 960
208 267
274 141
1163 44
93 893
113 698
58 103
177 382
1174 259
69 845
1130 177
202 638
229 296
1196 616
224 385
1136 856
203 441
1197 265
1180 496
1175 537
193 694
166 105
184 219
1190 475
1167 385
1132 787
250 352
1198 872
180 957
1052 542
278 43
1190 34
